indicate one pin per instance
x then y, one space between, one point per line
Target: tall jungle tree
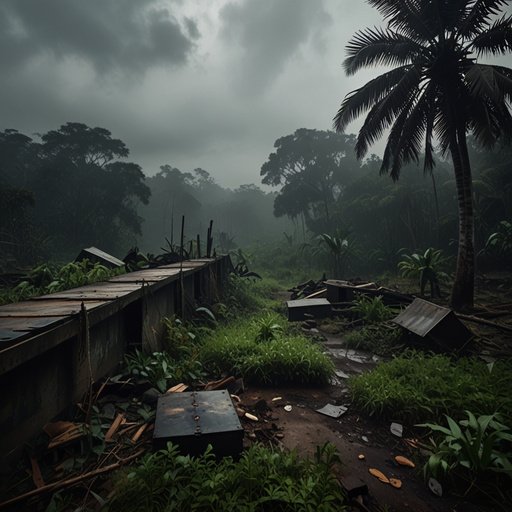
437 90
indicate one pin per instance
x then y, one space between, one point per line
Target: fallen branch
71 481
483 321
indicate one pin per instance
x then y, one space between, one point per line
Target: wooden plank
46 308
107 289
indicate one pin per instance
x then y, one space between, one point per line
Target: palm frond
374 47
360 100
479 15
408 17
384 112
497 40
494 82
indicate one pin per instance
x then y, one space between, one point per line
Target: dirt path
303 429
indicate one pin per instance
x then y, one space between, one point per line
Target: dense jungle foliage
326 212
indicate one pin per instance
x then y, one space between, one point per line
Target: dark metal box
308 308
194 420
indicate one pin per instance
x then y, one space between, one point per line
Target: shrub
371 309
263 479
474 445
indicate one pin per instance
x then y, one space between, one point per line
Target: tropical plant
371 309
501 240
268 327
263 479
437 89
427 268
481 445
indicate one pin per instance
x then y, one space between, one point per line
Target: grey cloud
269 33
110 35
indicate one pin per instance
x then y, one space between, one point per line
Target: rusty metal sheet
421 317
46 308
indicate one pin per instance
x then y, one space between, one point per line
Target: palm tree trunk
463 286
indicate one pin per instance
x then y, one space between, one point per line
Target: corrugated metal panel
98 254
421 317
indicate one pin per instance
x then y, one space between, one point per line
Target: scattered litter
250 416
435 486
179 388
404 461
413 443
236 398
139 432
288 408
397 429
341 374
333 411
361 456
365 439
279 436
379 474
275 399
114 427
395 482
219 384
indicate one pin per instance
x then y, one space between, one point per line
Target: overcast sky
190 83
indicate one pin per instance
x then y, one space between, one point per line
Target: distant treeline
73 187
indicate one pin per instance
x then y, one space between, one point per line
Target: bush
263 479
420 387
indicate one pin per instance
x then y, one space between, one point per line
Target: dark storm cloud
110 35
269 33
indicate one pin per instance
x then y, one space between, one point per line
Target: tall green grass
420 387
286 358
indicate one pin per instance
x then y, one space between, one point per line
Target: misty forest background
75 186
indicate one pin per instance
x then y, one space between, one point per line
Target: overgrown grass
286 358
381 339
422 387
244 295
262 479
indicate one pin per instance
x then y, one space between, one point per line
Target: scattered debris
219 384
361 456
439 324
395 482
37 477
179 388
114 427
404 461
379 475
365 439
275 399
333 411
396 429
251 417
287 408
341 374
435 487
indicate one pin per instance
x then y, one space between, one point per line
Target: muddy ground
353 434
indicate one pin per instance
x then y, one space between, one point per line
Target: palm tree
437 89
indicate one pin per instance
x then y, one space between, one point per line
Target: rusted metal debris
197 419
95 255
439 324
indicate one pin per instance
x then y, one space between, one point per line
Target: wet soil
353 434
